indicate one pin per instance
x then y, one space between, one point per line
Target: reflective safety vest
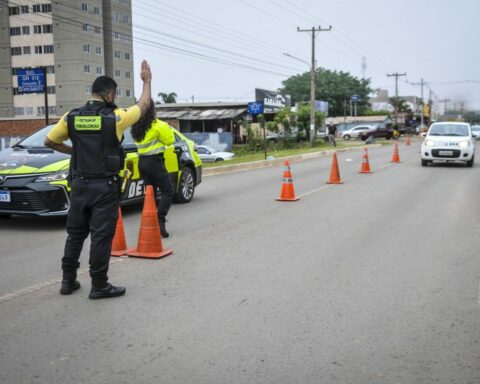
97 152
157 139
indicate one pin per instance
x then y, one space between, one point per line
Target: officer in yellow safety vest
152 137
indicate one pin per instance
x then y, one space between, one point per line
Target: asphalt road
376 280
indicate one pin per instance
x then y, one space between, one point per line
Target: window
99 71
36 8
88 89
50 89
116 35
16 51
19 111
15 91
98 30
41 110
126 38
126 19
50 69
15 31
13 11
85 7
46 8
38 49
24 9
27 50
29 110
47 28
26 30
37 29
87 27
118 73
119 92
115 16
86 68
98 51
96 10
116 54
86 48
48 49
128 93
127 56
128 74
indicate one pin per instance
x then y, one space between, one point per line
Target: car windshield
36 139
449 130
210 149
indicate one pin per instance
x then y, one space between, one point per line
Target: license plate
5 197
445 153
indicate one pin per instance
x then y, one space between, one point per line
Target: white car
354 132
209 154
449 142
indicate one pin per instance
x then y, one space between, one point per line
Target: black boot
69 286
163 230
107 292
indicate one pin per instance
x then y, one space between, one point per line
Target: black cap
103 83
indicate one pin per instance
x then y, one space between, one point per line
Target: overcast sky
221 50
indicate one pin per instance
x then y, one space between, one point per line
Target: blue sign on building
31 80
255 108
355 98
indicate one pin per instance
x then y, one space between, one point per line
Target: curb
277 161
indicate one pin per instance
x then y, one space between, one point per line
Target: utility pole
421 95
445 101
313 80
396 75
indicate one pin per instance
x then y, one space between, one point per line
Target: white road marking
478 296
45 284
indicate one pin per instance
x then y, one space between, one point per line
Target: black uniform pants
152 169
93 210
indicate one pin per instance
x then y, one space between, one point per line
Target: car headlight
429 143
464 144
55 176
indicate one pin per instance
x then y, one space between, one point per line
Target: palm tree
170 98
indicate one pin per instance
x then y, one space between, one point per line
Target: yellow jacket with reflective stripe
157 139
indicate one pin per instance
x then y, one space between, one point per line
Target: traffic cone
149 237
365 164
407 140
288 191
119 244
334 172
396 156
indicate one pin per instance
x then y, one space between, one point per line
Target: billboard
272 100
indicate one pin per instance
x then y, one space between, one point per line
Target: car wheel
470 162
424 163
186 186
346 137
219 159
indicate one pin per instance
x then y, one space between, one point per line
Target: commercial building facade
74 41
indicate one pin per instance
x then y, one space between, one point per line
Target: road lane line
478 296
45 284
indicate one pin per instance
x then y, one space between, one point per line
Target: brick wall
20 127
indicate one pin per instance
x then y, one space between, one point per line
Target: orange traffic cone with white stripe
334 172
119 244
396 156
288 191
365 164
149 238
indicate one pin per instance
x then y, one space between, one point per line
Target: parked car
209 154
376 132
449 142
353 133
33 178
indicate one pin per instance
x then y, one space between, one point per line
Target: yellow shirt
124 119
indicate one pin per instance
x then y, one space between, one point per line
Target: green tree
336 87
303 119
168 98
400 105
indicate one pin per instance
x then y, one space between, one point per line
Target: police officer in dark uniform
96 131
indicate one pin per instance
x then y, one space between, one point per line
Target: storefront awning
202 114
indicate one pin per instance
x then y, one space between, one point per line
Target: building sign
255 108
321 106
31 80
272 100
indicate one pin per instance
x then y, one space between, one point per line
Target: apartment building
75 41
